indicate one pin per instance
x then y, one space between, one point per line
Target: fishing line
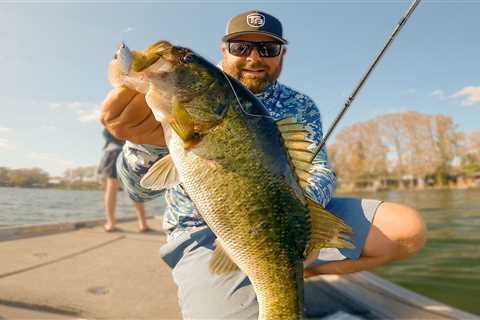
350 99
240 103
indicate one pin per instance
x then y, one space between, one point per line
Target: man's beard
256 84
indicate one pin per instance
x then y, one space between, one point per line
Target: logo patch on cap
256 20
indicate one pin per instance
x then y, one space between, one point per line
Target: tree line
34 177
407 149
81 178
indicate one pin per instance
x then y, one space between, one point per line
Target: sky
54 58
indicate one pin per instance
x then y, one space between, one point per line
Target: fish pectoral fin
182 123
327 230
161 175
220 262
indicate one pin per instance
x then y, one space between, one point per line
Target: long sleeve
323 180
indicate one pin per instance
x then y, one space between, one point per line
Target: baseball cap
254 21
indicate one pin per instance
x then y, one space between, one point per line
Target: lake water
20 206
447 269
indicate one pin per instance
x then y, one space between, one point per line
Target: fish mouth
123 56
120 47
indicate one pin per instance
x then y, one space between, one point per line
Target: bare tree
470 157
407 145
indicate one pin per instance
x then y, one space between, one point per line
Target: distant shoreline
338 191
345 190
100 188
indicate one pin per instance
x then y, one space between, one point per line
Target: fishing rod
350 99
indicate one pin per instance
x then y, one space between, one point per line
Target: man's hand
126 115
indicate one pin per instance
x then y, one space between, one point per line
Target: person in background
107 170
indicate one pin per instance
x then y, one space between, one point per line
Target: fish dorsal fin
295 138
162 175
220 262
182 123
327 230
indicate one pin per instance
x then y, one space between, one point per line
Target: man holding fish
253 50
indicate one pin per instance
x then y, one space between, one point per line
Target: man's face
254 72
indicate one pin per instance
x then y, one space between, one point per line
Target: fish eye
188 58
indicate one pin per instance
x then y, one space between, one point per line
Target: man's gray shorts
231 296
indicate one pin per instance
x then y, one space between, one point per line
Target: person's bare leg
110 202
140 211
397 232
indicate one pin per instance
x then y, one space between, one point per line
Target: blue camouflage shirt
281 102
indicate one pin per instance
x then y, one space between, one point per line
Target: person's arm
126 115
322 182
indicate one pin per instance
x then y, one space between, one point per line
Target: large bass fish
244 172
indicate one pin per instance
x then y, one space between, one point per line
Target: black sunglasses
244 48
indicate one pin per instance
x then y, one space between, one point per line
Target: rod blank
372 66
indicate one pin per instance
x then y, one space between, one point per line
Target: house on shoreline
411 182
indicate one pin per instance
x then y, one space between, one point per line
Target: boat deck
77 271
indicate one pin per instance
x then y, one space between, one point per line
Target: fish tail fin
327 230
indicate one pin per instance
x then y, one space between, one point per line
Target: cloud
439 94
5 145
128 29
18 61
48 127
15 61
52 159
54 106
410 91
470 95
86 111
54 164
72 105
88 115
